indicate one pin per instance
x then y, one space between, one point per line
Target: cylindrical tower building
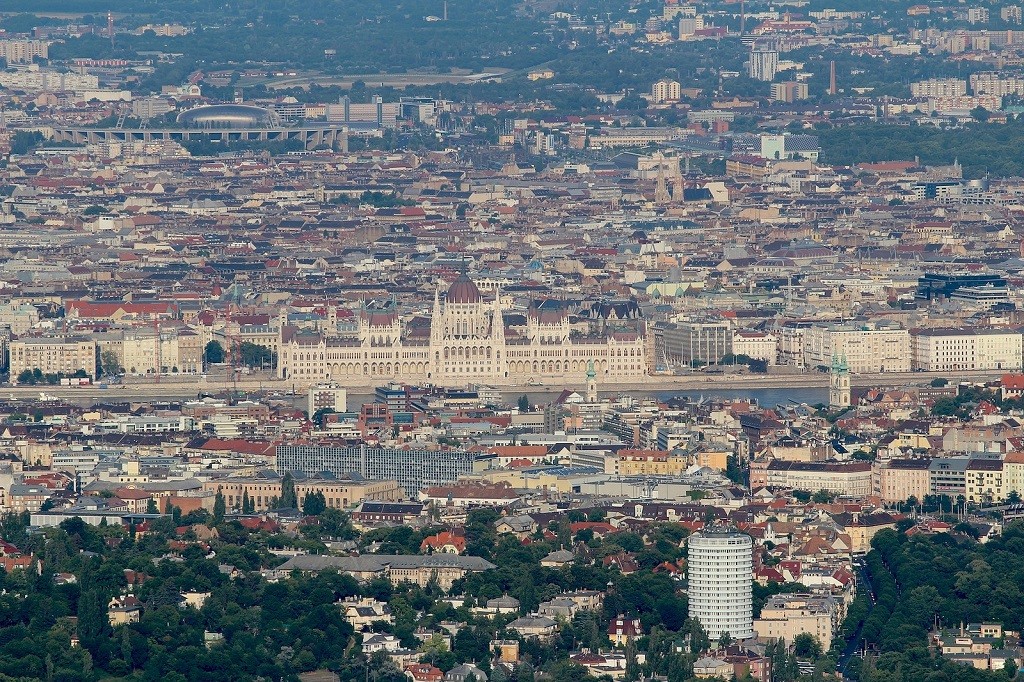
720 574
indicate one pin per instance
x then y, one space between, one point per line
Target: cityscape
512 341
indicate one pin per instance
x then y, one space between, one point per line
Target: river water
765 397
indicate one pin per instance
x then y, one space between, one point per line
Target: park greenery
251 628
981 149
923 580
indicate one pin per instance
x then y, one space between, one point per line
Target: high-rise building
763 65
789 92
939 87
665 90
23 51
720 572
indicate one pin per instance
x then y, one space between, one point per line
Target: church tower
839 383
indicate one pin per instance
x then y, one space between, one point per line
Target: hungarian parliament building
473 339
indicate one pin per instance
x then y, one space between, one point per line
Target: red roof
1013 381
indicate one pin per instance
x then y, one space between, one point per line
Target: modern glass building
413 468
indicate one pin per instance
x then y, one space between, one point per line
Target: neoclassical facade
472 339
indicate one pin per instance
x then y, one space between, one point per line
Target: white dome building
720 575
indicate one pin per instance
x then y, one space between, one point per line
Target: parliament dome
463 290
228 116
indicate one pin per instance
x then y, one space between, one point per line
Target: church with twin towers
473 338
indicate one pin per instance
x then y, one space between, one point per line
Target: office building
953 350
938 286
720 565
413 468
694 344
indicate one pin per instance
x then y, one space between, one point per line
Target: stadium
225 123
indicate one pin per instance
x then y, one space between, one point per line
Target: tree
980 113
110 364
219 508
214 352
806 645
314 504
151 507
632 103
288 498
255 355
524 403
248 506
23 141
823 497
939 382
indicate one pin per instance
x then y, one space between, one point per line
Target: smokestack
743 17
446 10
832 78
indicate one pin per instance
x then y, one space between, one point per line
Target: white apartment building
993 83
867 348
939 87
1012 14
756 345
951 350
720 571
977 15
665 90
23 51
787 615
55 81
763 65
64 355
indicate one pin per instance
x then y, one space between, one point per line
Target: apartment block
665 90
789 92
787 615
64 355
23 51
901 479
1013 473
939 87
852 479
984 481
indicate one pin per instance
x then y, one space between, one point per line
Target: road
854 642
179 387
